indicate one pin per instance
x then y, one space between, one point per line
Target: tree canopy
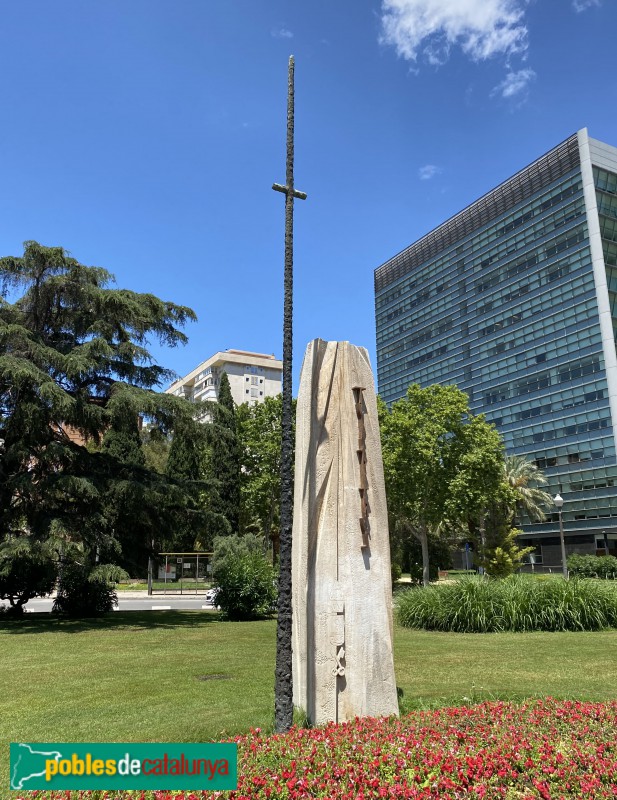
441 464
75 369
259 434
224 460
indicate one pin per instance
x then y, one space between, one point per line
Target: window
542 463
496 396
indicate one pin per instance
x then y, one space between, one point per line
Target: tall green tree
125 505
196 522
122 440
259 433
224 460
441 463
155 445
73 367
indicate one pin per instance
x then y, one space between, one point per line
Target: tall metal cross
283 686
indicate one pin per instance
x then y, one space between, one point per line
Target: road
138 601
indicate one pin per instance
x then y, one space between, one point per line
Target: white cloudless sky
145 136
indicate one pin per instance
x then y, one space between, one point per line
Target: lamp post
558 500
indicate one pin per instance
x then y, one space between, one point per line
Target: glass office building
514 299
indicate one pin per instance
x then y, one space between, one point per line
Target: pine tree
73 363
122 440
184 462
197 522
127 502
224 458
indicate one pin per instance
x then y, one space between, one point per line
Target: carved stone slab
342 586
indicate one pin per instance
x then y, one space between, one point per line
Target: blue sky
144 136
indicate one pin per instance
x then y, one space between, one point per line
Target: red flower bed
543 749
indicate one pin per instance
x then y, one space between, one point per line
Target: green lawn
186 676
187 584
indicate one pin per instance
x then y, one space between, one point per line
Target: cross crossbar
285 190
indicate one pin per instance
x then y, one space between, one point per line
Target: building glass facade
515 300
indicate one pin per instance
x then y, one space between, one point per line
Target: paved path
139 601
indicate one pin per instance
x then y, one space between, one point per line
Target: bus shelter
180 573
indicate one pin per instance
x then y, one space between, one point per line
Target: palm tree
524 477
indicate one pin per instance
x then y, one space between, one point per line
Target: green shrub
228 549
84 592
396 571
416 572
439 558
593 566
27 570
247 586
517 603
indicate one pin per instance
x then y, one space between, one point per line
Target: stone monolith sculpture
342 585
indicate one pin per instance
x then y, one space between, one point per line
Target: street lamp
558 500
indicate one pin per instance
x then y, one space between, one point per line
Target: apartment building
252 377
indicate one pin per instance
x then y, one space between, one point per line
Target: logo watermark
83 766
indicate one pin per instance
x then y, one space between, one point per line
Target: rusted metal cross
283 688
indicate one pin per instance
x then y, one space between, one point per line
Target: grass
185 676
188 585
518 603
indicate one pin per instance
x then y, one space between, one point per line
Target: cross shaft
283 690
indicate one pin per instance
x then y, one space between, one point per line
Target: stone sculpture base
342 586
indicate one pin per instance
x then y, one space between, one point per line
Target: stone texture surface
342 590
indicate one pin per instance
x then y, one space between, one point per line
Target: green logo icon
84 766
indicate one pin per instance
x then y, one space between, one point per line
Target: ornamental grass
542 749
518 603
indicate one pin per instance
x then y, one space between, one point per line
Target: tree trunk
425 558
482 531
269 535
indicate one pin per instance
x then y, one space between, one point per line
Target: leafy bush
517 603
247 586
415 572
396 571
593 566
227 549
87 593
27 570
